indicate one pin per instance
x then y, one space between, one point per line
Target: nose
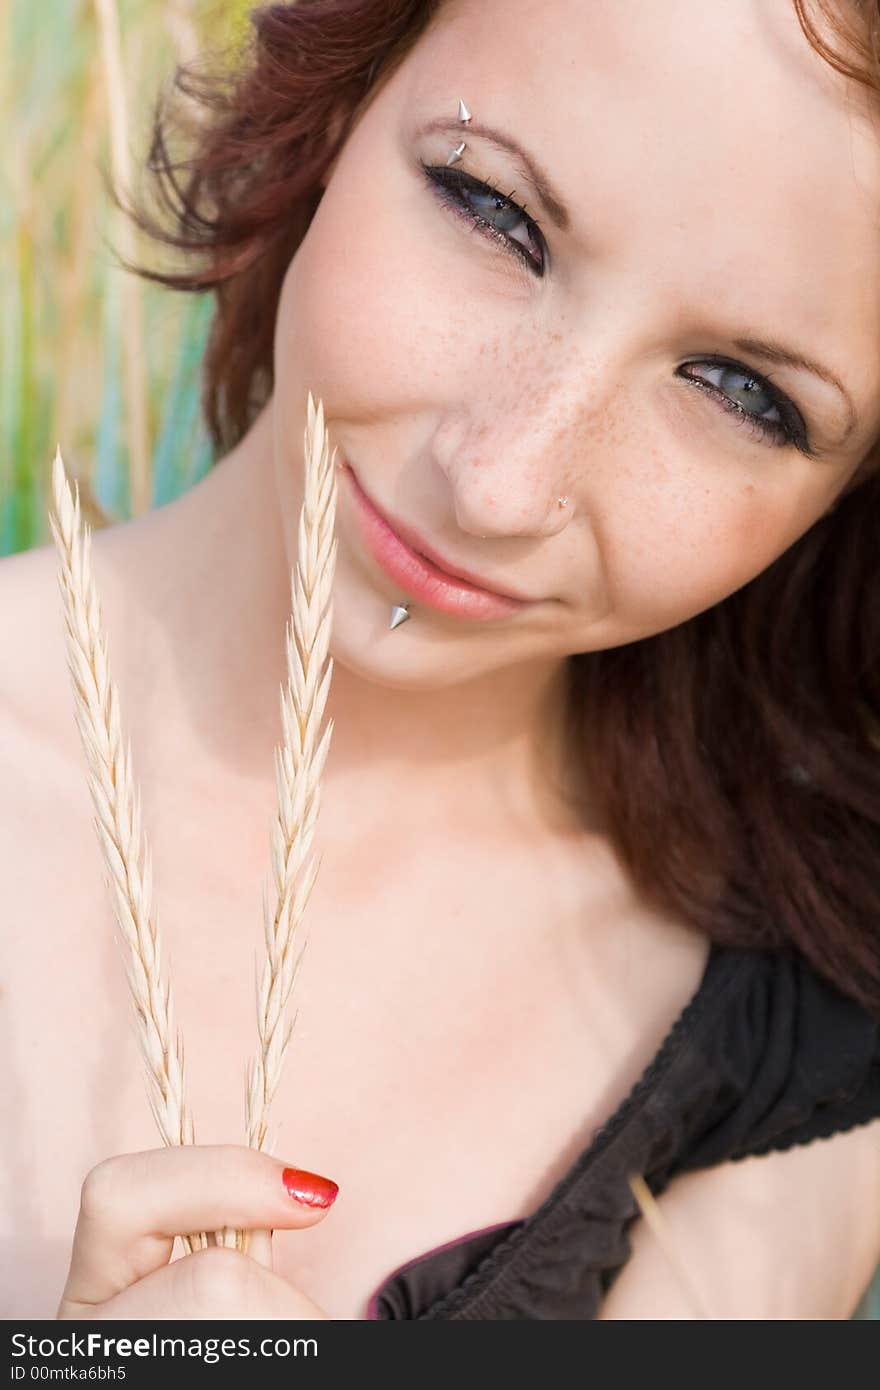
512 474
495 501
554 523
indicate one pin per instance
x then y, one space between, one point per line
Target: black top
765 1055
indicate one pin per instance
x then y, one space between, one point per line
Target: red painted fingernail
309 1188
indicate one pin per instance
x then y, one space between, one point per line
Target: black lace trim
724 966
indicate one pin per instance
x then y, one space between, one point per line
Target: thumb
133 1205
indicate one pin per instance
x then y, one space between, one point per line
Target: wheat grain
299 762
117 821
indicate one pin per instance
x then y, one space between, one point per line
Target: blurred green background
91 358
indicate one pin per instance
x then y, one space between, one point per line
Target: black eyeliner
455 182
449 184
792 417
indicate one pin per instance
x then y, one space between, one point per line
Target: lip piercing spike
399 614
464 116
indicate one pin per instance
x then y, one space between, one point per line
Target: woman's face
718 190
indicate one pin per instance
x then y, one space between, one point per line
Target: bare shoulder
33 674
29 602
793 1234
39 750
60 1052
36 705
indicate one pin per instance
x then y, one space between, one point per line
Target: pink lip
427 582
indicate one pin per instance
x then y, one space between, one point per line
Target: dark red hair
736 756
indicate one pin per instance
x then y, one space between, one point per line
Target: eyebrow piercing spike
464 116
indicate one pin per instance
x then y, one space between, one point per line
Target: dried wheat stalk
659 1227
117 821
299 762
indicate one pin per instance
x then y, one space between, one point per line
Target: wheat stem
659 1227
299 762
117 820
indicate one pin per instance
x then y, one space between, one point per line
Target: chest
466 1016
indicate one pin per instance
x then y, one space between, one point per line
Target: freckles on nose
543 410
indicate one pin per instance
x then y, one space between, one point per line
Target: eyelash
451 185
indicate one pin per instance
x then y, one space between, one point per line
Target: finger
212 1283
258 1244
133 1205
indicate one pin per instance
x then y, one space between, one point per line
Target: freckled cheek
361 306
670 554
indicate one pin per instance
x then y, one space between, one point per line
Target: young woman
590 295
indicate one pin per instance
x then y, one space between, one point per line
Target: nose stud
560 502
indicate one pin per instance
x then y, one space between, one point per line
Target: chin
363 644
415 656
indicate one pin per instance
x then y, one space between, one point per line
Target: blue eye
493 214
497 216
757 393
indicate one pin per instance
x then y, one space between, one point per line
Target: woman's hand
132 1206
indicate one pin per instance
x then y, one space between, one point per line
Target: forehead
711 127
737 63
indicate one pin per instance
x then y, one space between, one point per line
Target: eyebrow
786 357
553 204
548 195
